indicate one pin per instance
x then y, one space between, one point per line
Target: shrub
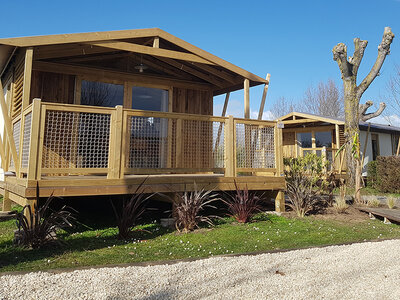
38 227
131 210
340 204
372 175
373 201
302 176
391 202
388 174
187 208
242 204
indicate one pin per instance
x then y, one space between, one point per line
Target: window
149 99
375 146
101 94
304 139
323 139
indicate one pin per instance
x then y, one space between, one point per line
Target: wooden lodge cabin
324 136
97 113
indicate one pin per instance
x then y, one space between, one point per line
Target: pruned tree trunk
352 95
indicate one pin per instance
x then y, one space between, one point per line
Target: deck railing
63 140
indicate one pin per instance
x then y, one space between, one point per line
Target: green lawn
153 243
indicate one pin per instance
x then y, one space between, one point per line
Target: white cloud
236 109
393 120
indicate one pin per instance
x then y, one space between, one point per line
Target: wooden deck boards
390 214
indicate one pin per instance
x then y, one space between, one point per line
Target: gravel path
358 271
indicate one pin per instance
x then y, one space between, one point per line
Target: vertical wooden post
220 126
337 134
264 95
398 147
34 141
280 201
2 153
9 130
26 92
6 201
246 99
156 42
21 142
179 144
314 145
114 162
230 145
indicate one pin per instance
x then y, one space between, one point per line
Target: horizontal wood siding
53 87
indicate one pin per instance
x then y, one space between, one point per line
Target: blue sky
292 40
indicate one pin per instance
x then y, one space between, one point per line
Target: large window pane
101 94
323 139
149 99
304 139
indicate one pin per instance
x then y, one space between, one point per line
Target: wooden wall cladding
53 87
192 101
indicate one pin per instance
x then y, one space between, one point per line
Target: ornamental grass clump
391 202
302 175
373 202
37 228
340 204
242 204
188 207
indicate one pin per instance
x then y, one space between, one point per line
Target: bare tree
282 106
352 95
393 89
326 99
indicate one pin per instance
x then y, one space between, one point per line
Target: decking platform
392 215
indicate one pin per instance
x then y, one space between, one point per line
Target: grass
154 243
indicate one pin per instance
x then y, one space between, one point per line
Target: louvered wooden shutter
16 103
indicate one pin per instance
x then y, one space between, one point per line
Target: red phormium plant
188 206
242 204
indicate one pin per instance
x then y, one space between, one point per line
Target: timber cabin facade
324 136
97 113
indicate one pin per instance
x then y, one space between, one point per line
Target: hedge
388 174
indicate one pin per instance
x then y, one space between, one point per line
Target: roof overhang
122 41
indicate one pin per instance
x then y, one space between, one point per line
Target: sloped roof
125 40
374 127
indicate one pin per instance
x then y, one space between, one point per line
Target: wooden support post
220 126
9 130
230 145
179 143
156 42
398 148
2 153
365 147
280 201
27 78
337 144
264 95
114 162
314 145
247 99
6 201
34 140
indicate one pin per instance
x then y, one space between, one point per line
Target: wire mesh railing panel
16 136
76 140
200 146
26 140
149 142
255 146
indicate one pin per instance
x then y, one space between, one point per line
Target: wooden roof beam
124 46
218 73
67 52
192 71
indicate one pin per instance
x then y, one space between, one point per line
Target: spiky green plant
391 202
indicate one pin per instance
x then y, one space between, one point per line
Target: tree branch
340 56
383 50
359 48
363 108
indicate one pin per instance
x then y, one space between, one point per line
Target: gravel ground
358 271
